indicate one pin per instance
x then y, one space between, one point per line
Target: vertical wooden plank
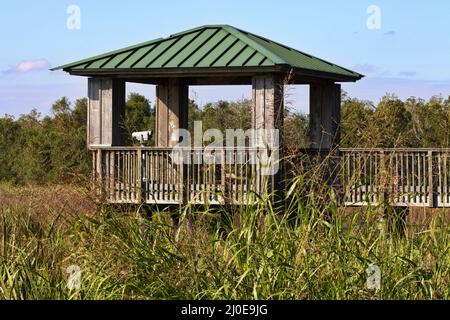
425 177
139 175
99 171
408 179
258 103
325 103
128 179
94 112
119 176
267 115
446 192
125 177
152 185
112 169
201 180
161 176
106 106
106 93
440 196
188 174
172 99
181 190
348 177
419 178
397 179
414 177
431 181
107 176
223 174
383 177
94 170
118 112
162 113
145 192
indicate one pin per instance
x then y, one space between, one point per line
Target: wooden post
324 121
268 104
268 114
325 106
172 100
106 108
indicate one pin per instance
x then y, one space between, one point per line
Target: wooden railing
176 176
401 177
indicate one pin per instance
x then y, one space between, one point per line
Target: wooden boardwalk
402 177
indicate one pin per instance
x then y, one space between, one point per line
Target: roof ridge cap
242 35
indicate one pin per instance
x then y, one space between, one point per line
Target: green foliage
194 114
391 123
430 121
227 115
9 131
248 253
395 123
355 116
139 116
45 149
296 126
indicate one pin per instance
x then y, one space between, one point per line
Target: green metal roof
211 46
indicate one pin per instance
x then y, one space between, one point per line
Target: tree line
52 148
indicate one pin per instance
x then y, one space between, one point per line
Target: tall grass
309 252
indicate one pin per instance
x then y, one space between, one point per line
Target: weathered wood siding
325 108
268 104
172 100
268 114
106 107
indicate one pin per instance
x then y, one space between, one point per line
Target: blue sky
408 56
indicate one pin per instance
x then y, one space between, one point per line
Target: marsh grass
312 251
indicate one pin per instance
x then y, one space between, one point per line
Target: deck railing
401 177
173 176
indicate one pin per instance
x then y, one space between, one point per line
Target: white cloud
29 66
365 68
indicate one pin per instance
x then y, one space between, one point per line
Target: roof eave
181 72
210 72
327 75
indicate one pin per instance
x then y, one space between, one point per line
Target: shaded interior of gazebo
224 55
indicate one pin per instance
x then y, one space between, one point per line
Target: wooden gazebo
207 55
